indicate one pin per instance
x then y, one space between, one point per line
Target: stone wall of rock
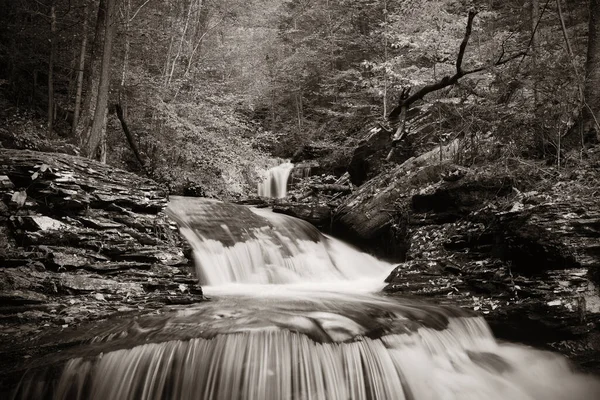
483 239
81 240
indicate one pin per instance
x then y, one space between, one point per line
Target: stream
296 314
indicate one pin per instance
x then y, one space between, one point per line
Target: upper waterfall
275 183
257 246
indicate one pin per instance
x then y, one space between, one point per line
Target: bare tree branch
465 41
450 80
138 10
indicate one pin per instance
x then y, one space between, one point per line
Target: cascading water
275 184
291 318
266 248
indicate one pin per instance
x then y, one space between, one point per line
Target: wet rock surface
317 214
527 260
81 241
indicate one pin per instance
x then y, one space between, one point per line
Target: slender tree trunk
272 109
51 68
298 97
385 54
330 24
591 109
81 68
168 61
569 48
201 29
185 28
535 15
127 46
99 121
91 78
73 73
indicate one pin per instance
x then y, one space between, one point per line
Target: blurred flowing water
275 183
294 315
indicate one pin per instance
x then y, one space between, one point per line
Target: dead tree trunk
130 139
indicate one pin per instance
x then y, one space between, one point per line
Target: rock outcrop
484 239
80 240
369 157
317 214
372 217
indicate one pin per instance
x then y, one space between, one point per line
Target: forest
204 198
210 90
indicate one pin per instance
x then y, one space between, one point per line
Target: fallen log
332 187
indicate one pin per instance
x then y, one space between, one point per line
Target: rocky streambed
517 242
84 242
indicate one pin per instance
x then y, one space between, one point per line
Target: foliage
210 87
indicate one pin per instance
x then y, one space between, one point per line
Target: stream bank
81 241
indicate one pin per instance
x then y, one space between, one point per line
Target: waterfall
267 248
292 316
275 184
286 365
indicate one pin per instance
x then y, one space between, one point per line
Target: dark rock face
369 156
528 261
328 160
309 152
553 235
80 240
318 215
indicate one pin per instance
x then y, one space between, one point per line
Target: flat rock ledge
81 241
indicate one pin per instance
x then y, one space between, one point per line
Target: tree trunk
98 124
91 78
80 69
51 68
185 29
298 98
131 139
103 152
591 109
535 15
127 46
385 55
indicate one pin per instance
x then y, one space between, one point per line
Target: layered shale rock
81 240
